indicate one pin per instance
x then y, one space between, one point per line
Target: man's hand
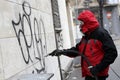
56 53
93 71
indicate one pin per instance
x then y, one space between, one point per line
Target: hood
90 21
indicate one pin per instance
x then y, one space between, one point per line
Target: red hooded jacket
99 47
90 21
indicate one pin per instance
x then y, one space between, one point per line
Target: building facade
110 13
29 30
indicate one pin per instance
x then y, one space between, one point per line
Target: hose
84 57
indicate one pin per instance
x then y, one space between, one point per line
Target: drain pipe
57 32
57 28
100 2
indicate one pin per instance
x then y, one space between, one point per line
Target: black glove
56 53
93 71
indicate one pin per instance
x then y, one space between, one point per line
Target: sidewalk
114 73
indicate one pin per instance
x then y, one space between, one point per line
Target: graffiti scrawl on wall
31 36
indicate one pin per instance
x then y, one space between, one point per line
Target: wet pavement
114 72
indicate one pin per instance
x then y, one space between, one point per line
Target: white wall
65 32
26 35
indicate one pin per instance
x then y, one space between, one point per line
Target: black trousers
91 78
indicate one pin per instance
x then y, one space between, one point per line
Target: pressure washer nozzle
90 67
46 55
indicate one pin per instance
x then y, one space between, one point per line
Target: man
96 45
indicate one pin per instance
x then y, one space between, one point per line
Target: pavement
114 72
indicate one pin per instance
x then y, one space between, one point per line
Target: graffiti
31 38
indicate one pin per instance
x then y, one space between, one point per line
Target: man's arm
72 52
110 52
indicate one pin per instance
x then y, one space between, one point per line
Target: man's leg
91 78
101 78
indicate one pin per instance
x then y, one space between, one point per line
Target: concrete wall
26 35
